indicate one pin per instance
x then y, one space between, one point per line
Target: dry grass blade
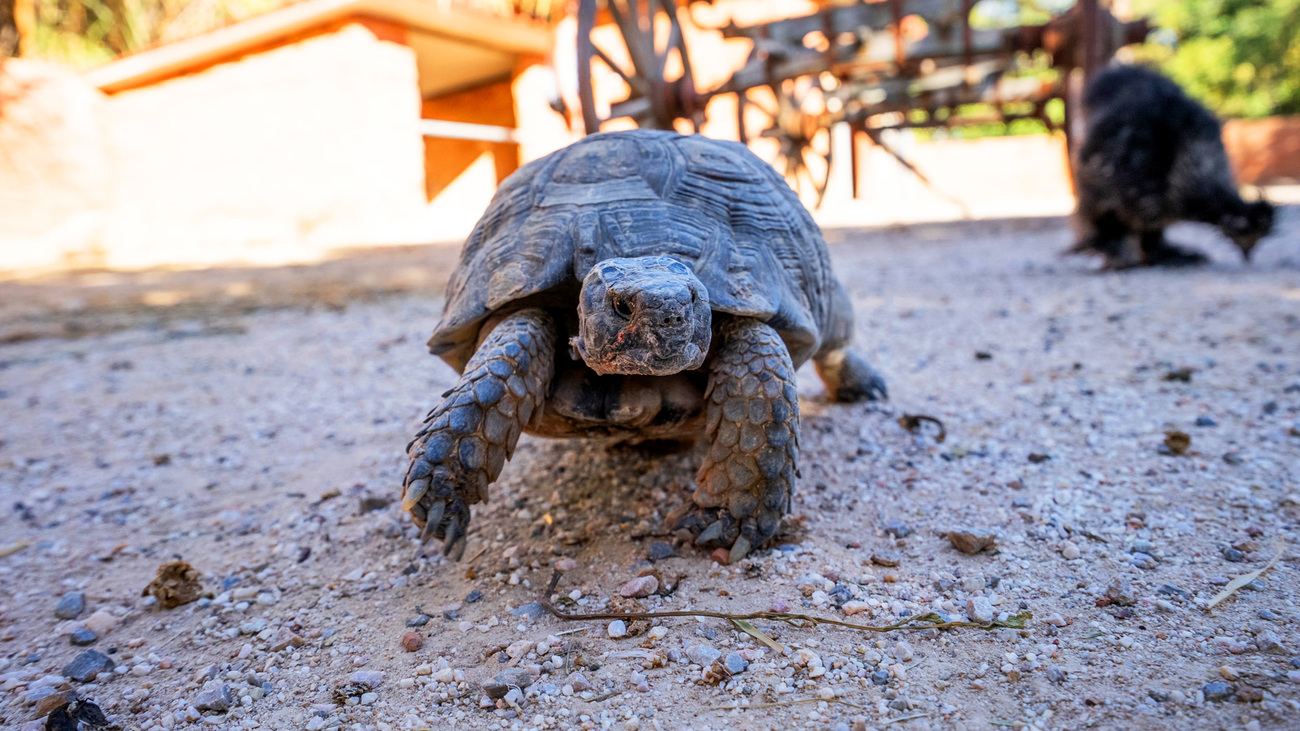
757 634
795 702
1244 579
13 548
931 620
900 719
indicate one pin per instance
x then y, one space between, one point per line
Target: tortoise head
647 315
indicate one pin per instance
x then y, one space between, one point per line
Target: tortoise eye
622 307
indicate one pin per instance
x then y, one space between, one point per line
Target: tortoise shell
711 204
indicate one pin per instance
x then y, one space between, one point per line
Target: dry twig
931 620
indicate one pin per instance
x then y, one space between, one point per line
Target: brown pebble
412 641
885 558
722 556
970 540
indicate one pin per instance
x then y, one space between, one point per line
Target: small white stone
617 629
1069 551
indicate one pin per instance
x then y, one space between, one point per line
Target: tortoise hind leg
846 373
468 437
752 428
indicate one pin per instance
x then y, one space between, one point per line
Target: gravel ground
252 424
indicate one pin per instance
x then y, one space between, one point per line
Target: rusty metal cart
876 65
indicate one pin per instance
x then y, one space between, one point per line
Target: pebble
1165 605
855 607
368 678
531 610
1218 692
903 651
214 697
659 551
1069 551
1233 555
369 698
1144 561
703 655
735 663
888 559
1120 592
617 629
971 540
897 529
880 677
285 638
101 622
1175 591
82 637
87 665
577 681
71 605
412 641
1205 421
473 596
1056 674
418 620
640 587
1270 643
979 610
565 565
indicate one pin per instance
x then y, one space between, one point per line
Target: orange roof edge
513 35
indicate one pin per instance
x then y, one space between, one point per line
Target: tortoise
638 285
1153 156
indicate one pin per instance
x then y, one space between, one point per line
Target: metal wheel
653 49
794 116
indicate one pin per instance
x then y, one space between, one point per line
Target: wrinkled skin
647 315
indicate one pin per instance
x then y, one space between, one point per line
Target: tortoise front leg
468 437
744 485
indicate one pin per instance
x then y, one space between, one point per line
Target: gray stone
531 610
71 605
1175 591
1233 555
1144 561
368 678
735 663
659 551
518 677
1056 674
880 677
1218 692
897 529
1269 642
214 697
1120 592
87 665
82 637
703 655
980 610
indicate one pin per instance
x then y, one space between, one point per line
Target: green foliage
1240 57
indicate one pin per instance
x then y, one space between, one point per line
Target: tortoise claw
712 533
739 549
454 535
415 490
434 520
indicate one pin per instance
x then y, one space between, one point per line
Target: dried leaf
1177 442
1244 579
757 634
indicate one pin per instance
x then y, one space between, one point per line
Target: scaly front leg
744 485
468 437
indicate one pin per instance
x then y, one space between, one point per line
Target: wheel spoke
636 82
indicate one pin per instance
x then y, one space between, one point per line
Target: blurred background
147 133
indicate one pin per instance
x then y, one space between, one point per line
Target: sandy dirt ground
252 423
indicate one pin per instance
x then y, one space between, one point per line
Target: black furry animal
1154 156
